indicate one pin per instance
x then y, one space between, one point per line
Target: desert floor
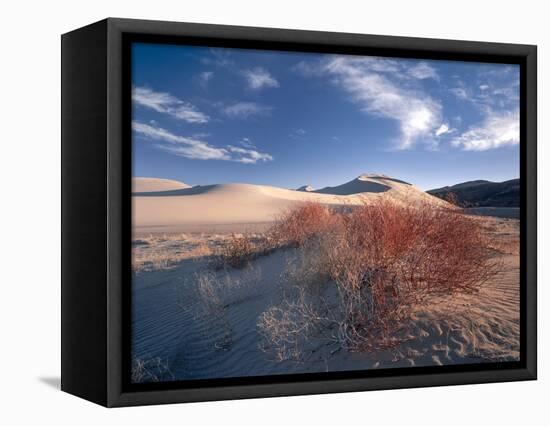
183 329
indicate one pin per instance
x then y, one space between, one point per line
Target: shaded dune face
356 186
365 183
195 190
173 207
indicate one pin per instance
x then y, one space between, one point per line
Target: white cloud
245 109
168 104
196 149
259 78
418 115
247 143
483 87
219 57
249 156
182 146
423 71
497 130
444 129
308 69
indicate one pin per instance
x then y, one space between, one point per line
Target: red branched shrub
389 259
297 225
385 260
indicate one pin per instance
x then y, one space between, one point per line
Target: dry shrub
453 199
216 292
237 252
297 225
382 261
157 253
150 370
390 258
291 229
306 268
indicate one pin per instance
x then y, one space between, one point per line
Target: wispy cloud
247 143
496 89
495 97
298 133
444 129
196 149
249 156
497 130
459 92
220 57
180 145
417 114
423 71
166 103
308 69
259 78
205 77
243 110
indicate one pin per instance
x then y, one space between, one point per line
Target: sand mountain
483 193
174 207
367 182
143 184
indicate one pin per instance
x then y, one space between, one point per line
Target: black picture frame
96 208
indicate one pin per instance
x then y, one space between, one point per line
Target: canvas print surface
308 213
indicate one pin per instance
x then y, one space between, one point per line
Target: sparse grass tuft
163 252
216 292
150 370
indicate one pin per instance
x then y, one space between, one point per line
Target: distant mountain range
482 193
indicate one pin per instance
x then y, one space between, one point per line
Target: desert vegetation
153 369
215 292
166 251
360 274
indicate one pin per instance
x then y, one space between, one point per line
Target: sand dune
364 183
174 208
143 184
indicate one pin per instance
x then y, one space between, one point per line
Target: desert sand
161 206
143 184
173 321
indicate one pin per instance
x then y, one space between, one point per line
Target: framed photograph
253 212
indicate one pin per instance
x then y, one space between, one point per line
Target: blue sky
210 115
